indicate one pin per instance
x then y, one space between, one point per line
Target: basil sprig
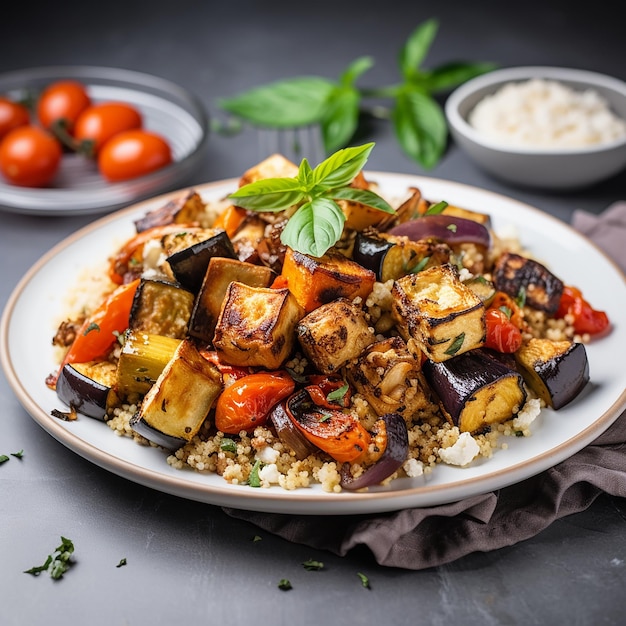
318 221
418 120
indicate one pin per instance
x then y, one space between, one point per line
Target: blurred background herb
336 106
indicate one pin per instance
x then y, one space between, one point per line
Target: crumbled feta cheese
269 474
267 455
462 452
152 254
528 414
413 468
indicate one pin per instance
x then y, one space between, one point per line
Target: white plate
28 321
78 188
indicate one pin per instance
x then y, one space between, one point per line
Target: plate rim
282 501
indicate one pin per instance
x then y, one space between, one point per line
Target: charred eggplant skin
86 395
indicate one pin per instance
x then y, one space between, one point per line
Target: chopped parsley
455 346
122 562
365 581
92 326
58 562
284 584
18 455
254 480
228 445
312 566
3 458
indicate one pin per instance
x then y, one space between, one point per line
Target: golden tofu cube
443 316
256 326
333 334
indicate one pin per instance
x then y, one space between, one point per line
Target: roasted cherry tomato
12 115
29 156
246 403
586 318
502 334
133 153
99 122
61 103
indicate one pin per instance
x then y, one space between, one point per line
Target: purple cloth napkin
426 537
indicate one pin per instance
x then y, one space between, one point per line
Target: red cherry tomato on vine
100 122
586 318
133 153
29 156
246 403
61 103
502 334
12 115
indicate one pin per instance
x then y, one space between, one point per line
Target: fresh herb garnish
254 480
420 266
122 562
455 346
436 209
93 326
228 445
284 584
520 300
338 395
365 581
317 223
4 458
57 563
312 565
18 455
336 105
256 538
506 310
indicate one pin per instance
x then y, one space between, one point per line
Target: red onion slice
447 228
394 455
289 434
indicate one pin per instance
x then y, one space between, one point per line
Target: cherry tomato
12 115
586 318
99 122
29 156
502 334
247 403
133 153
61 103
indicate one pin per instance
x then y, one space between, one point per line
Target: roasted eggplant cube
142 359
161 308
220 273
390 378
556 371
176 406
515 274
188 208
274 166
392 257
188 254
333 334
316 281
256 326
435 309
475 390
88 387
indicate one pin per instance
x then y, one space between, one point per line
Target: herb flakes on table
58 562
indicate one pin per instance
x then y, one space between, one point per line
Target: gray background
189 562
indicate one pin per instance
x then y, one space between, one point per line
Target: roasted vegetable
585 319
274 166
443 316
517 275
316 281
161 308
185 209
392 432
220 273
256 326
475 390
88 387
188 254
392 257
142 360
556 371
175 407
334 333
482 287
339 434
290 434
390 378
451 229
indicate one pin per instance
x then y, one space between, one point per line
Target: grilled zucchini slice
475 390
175 407
333 334
256 326
220 273
556 371
443 316
161 308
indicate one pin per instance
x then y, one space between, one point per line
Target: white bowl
554 168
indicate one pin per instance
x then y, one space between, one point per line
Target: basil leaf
436 209
341 167
314 227
268 194
305 174
420 127
282 104
364 196
416 48
453 74
355 69
341 118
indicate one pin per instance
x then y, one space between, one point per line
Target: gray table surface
189 562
